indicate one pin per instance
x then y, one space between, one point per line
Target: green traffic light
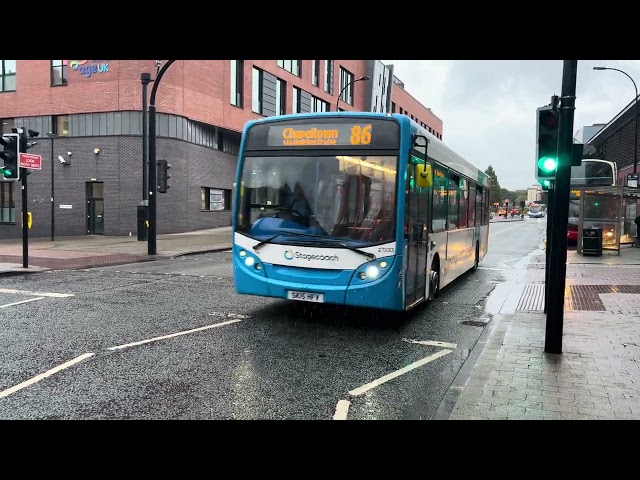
546 183
548 164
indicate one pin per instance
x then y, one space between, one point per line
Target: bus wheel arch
434 277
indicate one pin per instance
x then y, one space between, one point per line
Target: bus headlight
373 270
250 261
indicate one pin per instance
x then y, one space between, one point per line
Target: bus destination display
362 133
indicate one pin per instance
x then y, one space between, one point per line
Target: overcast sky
488 106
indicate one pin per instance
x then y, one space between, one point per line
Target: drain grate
481 322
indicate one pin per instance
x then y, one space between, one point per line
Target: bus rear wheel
434 278
477 260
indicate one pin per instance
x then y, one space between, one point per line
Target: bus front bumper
338 287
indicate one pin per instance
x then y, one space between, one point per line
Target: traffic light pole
25 226
558 253
153 184
547 250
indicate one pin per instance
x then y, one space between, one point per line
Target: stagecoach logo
87 67
290 255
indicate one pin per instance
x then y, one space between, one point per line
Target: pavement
508 376
99 250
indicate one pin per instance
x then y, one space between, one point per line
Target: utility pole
153 184
558 254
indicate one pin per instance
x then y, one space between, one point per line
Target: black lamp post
635 143
345 87
52 135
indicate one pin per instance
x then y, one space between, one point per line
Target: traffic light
546 184
163 176
547 142
9 154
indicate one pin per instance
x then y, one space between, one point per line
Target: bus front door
416 236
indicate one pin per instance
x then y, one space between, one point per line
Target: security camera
61 158
33 133
69 153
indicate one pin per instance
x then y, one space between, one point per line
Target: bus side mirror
424 178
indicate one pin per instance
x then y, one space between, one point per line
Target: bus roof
437 148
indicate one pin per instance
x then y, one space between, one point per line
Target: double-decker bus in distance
592 173
359 209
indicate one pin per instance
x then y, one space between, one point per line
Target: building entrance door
95 208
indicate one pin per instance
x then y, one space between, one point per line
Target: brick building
614 142
89 116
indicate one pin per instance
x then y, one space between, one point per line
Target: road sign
30 161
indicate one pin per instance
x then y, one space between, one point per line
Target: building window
7 125
7 207
256 91
60 125
292 66
281 97
393 107
237 75
295 108
346 83
315 72
319 105
215 199
328 76
58 72
7 75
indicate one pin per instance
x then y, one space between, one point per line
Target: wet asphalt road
252 358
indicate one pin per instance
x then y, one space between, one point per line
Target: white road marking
433 343
172 335
342 409
42 376
36 294
21 301
397 373
229 315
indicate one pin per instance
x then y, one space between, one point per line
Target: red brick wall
196 89
619 149
411 106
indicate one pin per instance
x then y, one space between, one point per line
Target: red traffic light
548 119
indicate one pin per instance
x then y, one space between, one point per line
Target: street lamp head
366 77
599 68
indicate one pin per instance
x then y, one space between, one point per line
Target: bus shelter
612 210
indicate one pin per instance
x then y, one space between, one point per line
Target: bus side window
472 205
440 198
479 208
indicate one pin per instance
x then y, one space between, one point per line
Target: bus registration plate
305 296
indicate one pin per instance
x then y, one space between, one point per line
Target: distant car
572 231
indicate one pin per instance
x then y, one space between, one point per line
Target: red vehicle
592 172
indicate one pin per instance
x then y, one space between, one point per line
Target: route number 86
360 135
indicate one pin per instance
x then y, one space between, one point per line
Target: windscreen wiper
329 243
261 244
